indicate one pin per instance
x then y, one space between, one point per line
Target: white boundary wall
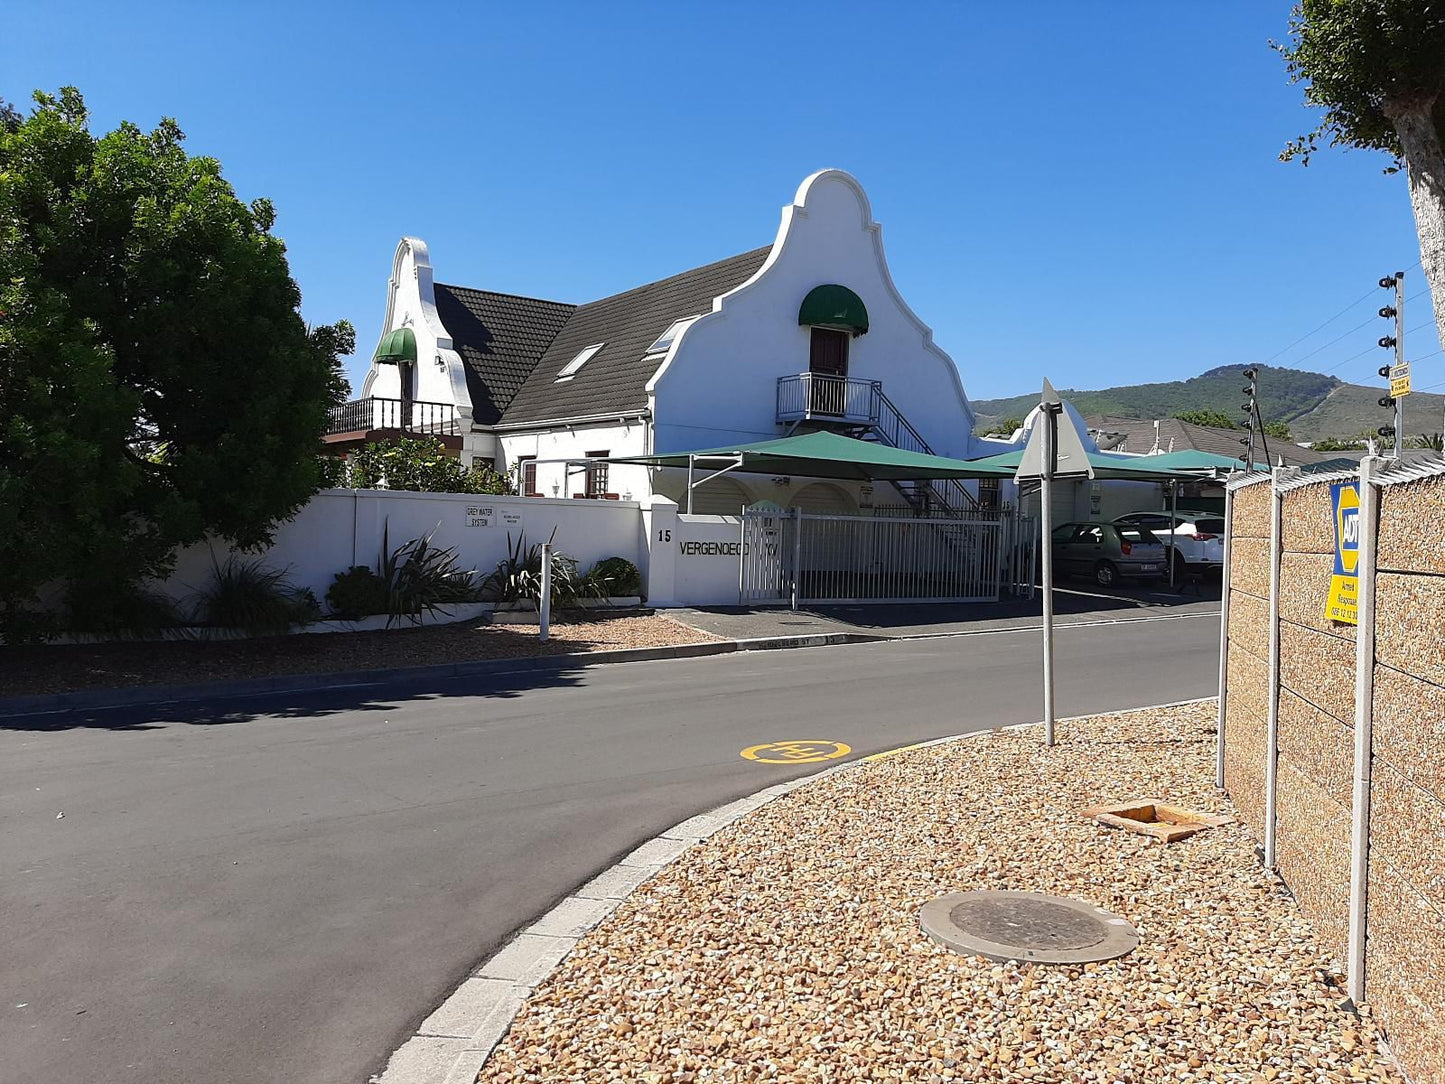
343 527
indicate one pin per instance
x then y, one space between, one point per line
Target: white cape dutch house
808 332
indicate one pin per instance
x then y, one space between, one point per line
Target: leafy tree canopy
1216 418
1278 429
1362 62
157 383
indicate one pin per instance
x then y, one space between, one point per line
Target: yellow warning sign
796 752
1400 380
1342 603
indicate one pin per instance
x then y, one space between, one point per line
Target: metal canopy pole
1046 523
690 460
1173 527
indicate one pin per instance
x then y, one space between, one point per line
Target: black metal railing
826 398
408 416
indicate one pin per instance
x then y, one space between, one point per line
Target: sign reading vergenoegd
1344 594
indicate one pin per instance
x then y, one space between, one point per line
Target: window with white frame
571 369
663 343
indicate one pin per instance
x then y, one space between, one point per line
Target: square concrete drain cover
1027 926
1158 820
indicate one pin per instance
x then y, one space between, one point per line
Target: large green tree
157 382
1377 70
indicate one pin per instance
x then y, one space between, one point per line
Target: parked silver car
1106 552
1198 537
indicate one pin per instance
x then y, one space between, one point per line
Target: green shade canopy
832 305
828 455
1141 468
397 346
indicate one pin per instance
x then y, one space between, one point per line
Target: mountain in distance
1314 405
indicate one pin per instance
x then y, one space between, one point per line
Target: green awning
832 305
1139 468
397 346
828 455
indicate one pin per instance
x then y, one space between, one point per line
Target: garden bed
57 668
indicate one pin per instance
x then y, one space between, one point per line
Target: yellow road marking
894 752
799 751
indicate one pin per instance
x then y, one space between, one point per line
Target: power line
1327 323
1367 294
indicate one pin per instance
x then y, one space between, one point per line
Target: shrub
358 592
332 471
246 595
421 577
616 576
119 609
519 577
415 464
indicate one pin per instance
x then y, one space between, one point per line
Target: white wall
707 559
340 528
720 380
616 439
411 302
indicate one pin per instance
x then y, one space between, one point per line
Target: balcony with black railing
413 416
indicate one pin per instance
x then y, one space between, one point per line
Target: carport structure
824 455
1171 468
938 553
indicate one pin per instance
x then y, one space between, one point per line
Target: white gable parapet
719 380
411 302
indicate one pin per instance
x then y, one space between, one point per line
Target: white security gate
797 558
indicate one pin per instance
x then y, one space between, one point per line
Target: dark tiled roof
615 379
1138 434
499 337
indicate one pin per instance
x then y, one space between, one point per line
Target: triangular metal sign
1070 459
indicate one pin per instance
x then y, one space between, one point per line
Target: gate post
797 550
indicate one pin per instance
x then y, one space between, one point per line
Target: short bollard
544 605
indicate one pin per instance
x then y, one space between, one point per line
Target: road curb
96 699
452 1045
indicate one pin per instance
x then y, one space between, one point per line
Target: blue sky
1085 191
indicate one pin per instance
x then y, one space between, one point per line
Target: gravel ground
66 667
787 947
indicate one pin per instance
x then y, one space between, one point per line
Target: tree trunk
1425 168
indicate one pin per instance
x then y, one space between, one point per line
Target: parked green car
1108 552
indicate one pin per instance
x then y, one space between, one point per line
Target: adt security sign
1344 595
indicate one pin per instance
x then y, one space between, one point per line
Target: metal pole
1271 763
544 607
1173 527
1046 523
797 550
1364 721
1223 642
689 484
1399 360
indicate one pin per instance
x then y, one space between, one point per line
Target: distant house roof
1136 436
500 338
615 378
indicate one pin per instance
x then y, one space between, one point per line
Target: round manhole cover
1027 926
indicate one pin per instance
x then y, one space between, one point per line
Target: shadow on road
299 705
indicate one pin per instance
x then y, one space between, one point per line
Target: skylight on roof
570 369
663 342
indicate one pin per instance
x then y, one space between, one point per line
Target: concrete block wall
1247 707
1316 720
1404 950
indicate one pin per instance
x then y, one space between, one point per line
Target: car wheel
1180 568
1105 574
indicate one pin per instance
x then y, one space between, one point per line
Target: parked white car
1197 536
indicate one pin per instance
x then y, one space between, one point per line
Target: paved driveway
281 889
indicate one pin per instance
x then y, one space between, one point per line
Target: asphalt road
280 889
